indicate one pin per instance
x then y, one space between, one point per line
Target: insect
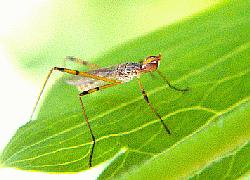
101 78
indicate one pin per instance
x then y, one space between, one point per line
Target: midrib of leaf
241 48
222 59
19 156
155 90
10 160
216 114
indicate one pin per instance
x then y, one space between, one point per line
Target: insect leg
97 89
73 72
86 117
171 86
81 62
86 74
90 130
40 93
151 107
45 82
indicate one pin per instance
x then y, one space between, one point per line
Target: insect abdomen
126 72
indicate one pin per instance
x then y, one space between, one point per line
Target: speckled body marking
121 72
102 78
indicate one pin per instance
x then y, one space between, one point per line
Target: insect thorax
126 72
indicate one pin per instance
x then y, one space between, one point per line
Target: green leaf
209 53
87 28
207 159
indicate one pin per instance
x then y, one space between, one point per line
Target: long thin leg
40 93
73 72
81 62
97 89
151 107
171 86
86 74
86 117
90 130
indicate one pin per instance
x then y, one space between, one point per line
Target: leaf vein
193 73
120 134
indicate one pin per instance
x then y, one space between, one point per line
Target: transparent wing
84 83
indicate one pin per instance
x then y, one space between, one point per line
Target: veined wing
84 83
122 72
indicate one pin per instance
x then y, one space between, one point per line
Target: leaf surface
209 53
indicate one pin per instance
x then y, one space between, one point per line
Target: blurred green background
51 30
201 52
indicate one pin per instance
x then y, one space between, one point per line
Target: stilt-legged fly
101 78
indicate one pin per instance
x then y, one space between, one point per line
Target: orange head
151 63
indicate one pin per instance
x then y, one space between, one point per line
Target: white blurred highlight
16 13
17 95
17 98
